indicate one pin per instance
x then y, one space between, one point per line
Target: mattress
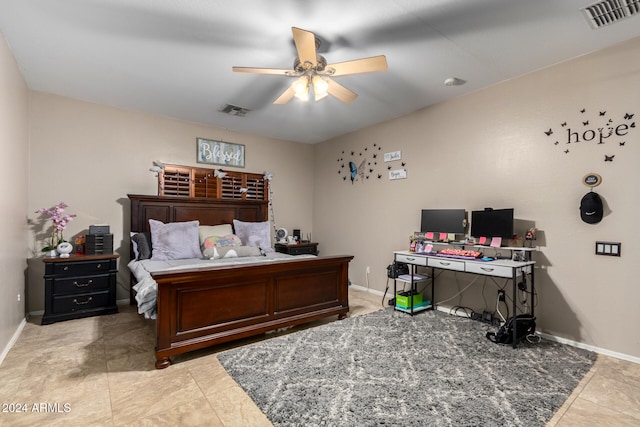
147 289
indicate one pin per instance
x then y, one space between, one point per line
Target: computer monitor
443 221
492 223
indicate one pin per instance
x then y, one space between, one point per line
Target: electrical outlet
19 297
368 269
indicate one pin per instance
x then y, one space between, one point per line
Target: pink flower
59 223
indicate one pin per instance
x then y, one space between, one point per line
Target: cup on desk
291 240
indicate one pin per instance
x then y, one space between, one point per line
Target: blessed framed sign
219 153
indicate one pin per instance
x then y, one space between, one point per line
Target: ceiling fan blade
359 66
274 71
285 97
340 92
306 46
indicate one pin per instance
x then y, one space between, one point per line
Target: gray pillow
175 240
254 234
143 242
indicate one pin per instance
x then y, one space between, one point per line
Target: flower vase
52 253
64 249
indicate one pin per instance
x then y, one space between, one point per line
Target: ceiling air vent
610 11
234 110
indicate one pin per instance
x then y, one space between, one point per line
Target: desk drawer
488 269
447 264
411 259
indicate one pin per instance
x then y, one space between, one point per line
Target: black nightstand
309 248
79 286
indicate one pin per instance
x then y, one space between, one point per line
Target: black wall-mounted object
591 209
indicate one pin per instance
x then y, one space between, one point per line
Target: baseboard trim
13 340
577 344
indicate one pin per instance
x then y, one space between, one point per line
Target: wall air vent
234 110
608 12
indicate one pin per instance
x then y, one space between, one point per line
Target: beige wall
488 149
14 166
91 156
484 149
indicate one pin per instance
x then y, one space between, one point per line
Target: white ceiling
174 57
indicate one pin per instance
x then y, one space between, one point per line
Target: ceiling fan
313 72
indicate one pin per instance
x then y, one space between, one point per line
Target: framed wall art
219 153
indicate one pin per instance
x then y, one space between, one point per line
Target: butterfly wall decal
548 132
609 158
355 171
628 116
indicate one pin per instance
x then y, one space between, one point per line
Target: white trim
593 348
13 340
364 289
549 337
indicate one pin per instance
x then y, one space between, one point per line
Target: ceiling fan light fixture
320 87
301 88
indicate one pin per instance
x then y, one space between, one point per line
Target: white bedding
147 289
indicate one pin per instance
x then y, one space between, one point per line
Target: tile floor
99 371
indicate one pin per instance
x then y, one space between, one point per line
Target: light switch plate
608 248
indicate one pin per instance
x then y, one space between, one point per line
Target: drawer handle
487 269
83 285
75 301
410 258
66 267
445 263
99 266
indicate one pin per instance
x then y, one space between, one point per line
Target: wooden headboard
207 211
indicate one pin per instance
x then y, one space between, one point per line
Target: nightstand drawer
72 303
80 284
81 268
302 250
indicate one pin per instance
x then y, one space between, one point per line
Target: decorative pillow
142 245
221 241
254 234
217 252
205 231
175 240
134 245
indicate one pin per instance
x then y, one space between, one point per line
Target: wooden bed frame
202 307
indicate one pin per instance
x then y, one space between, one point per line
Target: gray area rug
388 368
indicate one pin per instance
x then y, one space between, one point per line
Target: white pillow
205 231
254 234
175 240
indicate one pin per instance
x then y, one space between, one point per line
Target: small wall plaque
591 180
394 155
397 174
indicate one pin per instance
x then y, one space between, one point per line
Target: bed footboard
203 307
